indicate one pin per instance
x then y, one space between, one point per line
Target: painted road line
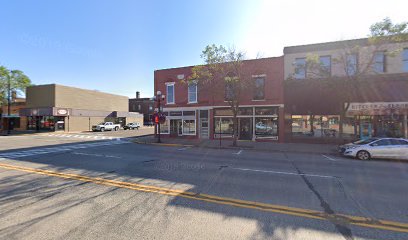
329 158
299 212
183 148
95 155
238 153
284 173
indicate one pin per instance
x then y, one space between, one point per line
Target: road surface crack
339 223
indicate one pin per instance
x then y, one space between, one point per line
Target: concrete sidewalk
248 145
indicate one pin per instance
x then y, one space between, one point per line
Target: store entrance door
176 127
245 129
365 130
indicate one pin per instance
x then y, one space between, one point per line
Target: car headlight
351 147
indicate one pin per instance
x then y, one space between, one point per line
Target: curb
226 147
164 144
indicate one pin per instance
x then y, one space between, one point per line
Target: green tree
382 34
18 83
222 74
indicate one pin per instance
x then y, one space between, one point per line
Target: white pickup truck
106 126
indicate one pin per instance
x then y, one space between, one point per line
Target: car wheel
116 128
363 155
102 129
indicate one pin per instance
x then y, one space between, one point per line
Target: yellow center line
300 212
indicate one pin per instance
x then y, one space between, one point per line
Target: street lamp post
159 97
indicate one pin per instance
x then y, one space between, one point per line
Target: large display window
266 127
48 123
224 126
322 126
189 127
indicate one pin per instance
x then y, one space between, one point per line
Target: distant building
55 107
144 106
16 122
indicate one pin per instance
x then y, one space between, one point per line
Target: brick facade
258 120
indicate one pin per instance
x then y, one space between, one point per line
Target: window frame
254 94
405 60
195 127
329 71
383 62
304 68
165 127
228 86
170 84
355 55
196 92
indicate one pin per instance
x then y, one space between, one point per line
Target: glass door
180 127
245 128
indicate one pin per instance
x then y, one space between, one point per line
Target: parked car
131 126
106 126
366 149
148 124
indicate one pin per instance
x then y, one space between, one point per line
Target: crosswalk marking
81 136
26 153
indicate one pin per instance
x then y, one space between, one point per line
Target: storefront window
315 125
266 127
224 126
189 127
164 128
266 110
41 123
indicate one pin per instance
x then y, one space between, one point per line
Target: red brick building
194 111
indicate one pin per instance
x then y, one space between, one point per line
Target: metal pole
9 104
220 132
158 124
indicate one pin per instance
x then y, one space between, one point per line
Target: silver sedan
396 148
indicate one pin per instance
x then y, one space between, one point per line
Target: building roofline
83 89
324 45
246 60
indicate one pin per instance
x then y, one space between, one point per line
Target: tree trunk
311 122
341 120
235 133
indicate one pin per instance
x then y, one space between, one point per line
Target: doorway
176 127
245 128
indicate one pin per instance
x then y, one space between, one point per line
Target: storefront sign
61 112
378 108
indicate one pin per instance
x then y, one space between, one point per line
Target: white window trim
174 91
196 93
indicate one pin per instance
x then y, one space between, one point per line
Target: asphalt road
120 190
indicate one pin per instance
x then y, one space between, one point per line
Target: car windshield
364 141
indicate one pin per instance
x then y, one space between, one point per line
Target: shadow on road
198 173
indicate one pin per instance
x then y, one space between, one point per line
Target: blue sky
115 46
